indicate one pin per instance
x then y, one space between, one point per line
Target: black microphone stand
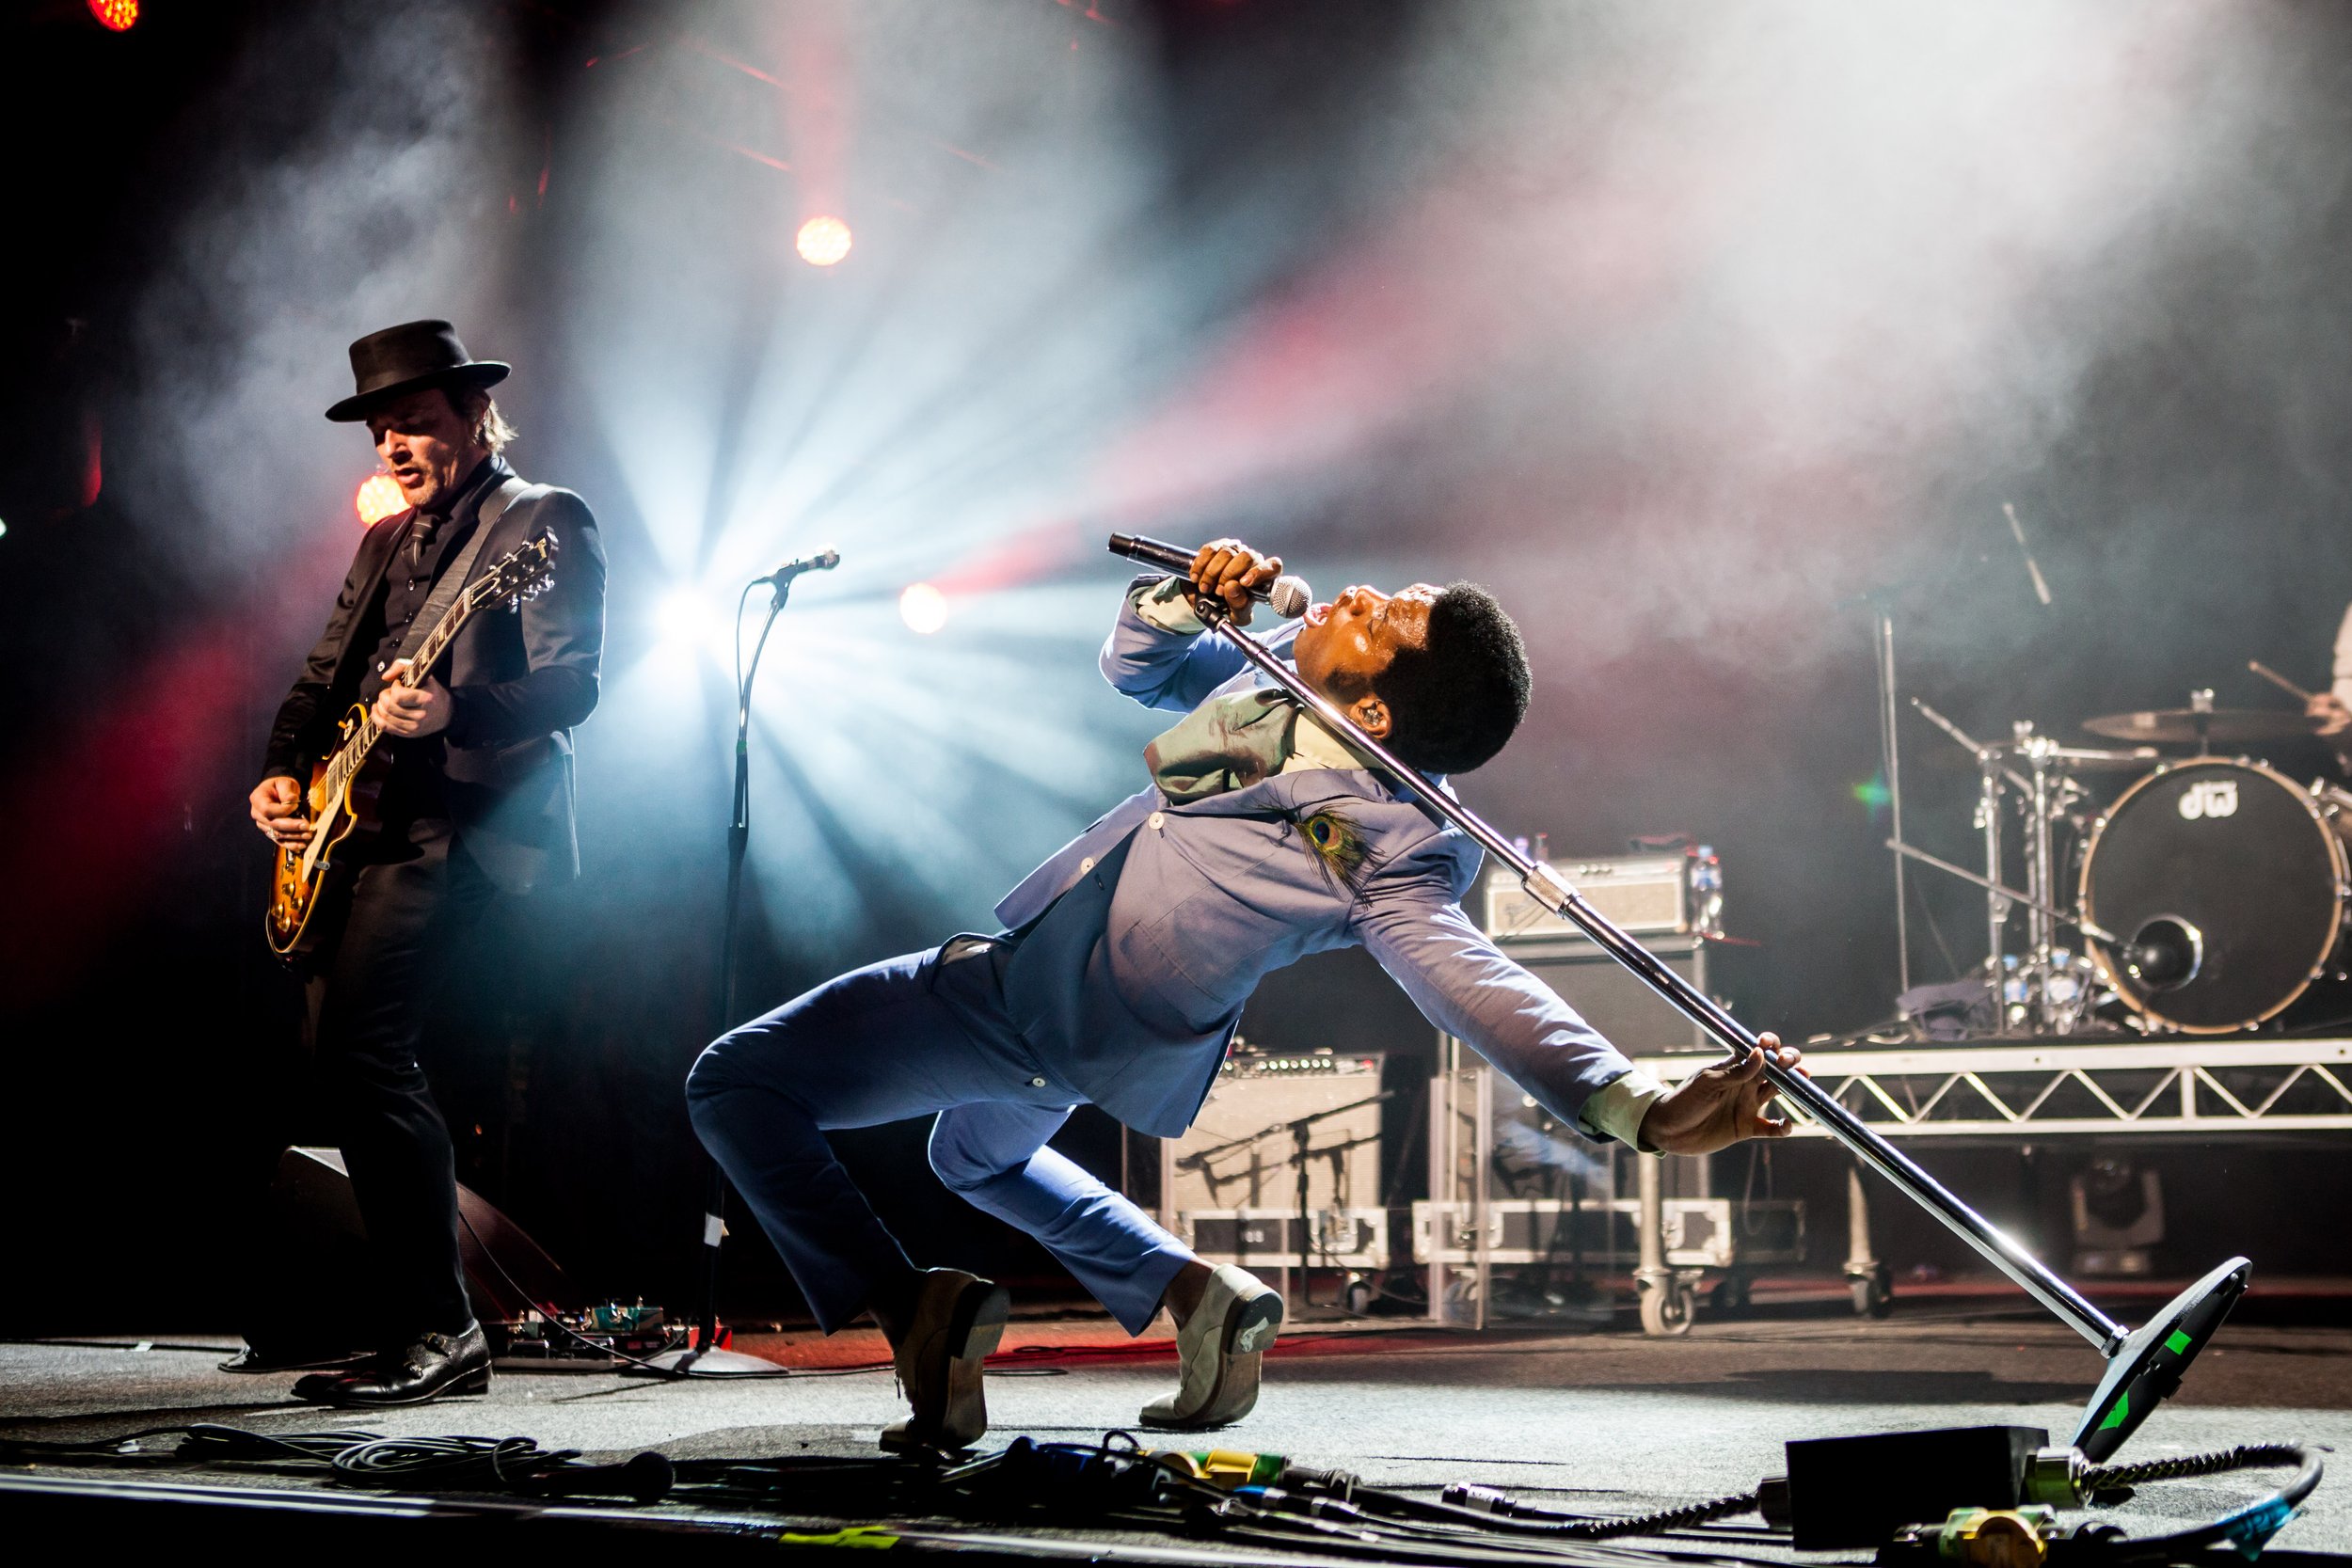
1302 1133
703 1352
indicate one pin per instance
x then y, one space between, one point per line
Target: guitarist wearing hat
477 800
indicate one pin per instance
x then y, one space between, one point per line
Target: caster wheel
1667 1310
1359 1297
1873 1293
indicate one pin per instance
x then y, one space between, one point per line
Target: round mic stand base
688 1360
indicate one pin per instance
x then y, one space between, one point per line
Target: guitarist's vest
343 790
412 785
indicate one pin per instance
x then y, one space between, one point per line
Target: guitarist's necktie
420 537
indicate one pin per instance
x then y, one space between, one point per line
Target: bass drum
2226 887
2226 884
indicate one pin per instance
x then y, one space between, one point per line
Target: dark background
1619 318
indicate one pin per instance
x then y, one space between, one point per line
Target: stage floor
1604 1422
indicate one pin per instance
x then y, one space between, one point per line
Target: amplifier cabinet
1242 1150
1269 1237
1701 1232
1635 1019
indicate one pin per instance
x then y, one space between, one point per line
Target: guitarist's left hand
411 711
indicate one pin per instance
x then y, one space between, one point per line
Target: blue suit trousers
910 1035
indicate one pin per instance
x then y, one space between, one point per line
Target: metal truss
2046 1088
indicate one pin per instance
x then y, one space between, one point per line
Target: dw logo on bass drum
2209 798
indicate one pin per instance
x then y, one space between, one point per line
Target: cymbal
2180 727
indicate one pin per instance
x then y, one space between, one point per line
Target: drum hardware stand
2143 1367
1991 771
2008 895
2050 989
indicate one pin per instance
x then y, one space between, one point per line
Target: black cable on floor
2245 1456
2246 1528
1475 1503
372 1459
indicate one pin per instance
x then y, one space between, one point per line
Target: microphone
824 560
1287 595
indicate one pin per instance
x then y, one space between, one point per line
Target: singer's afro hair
1454 701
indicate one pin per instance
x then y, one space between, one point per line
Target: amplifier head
1642 893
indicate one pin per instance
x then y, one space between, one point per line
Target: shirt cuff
1168 607
1616 1111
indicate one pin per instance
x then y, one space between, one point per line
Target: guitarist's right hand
276 804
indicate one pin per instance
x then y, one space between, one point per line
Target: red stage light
379 496
115 16
822 240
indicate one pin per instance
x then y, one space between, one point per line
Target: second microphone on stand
824 560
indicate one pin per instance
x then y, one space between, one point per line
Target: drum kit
2208 895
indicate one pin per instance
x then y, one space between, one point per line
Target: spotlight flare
681 617
923 607
379 496
115 16
822 240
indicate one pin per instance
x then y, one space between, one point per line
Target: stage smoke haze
1689 323
356 170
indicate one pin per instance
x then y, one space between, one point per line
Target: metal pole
1996 905
705 1338
1891 757
1810 1100
2005 893
2041 928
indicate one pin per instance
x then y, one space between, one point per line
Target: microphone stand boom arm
1808 1099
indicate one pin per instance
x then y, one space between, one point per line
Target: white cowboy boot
1218 1349
958 1320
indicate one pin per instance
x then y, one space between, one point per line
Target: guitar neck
362 741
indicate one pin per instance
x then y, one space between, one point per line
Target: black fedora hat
399 360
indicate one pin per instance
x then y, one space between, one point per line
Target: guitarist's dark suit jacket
484 805
519 682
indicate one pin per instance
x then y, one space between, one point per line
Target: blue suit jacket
1136 944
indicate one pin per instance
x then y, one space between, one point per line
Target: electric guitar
343 788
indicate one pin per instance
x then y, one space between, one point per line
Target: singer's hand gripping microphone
1288 595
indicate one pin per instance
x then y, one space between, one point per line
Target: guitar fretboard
355 747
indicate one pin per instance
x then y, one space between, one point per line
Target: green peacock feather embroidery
1337 844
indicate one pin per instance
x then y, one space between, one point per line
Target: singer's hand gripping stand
2143 1367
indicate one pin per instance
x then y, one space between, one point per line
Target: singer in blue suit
1121 972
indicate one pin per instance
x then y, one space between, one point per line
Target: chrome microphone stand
2143 1367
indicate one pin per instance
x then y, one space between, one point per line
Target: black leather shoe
436 1365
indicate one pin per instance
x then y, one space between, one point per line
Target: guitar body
299 883
345 789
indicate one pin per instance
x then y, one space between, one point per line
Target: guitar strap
511 489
